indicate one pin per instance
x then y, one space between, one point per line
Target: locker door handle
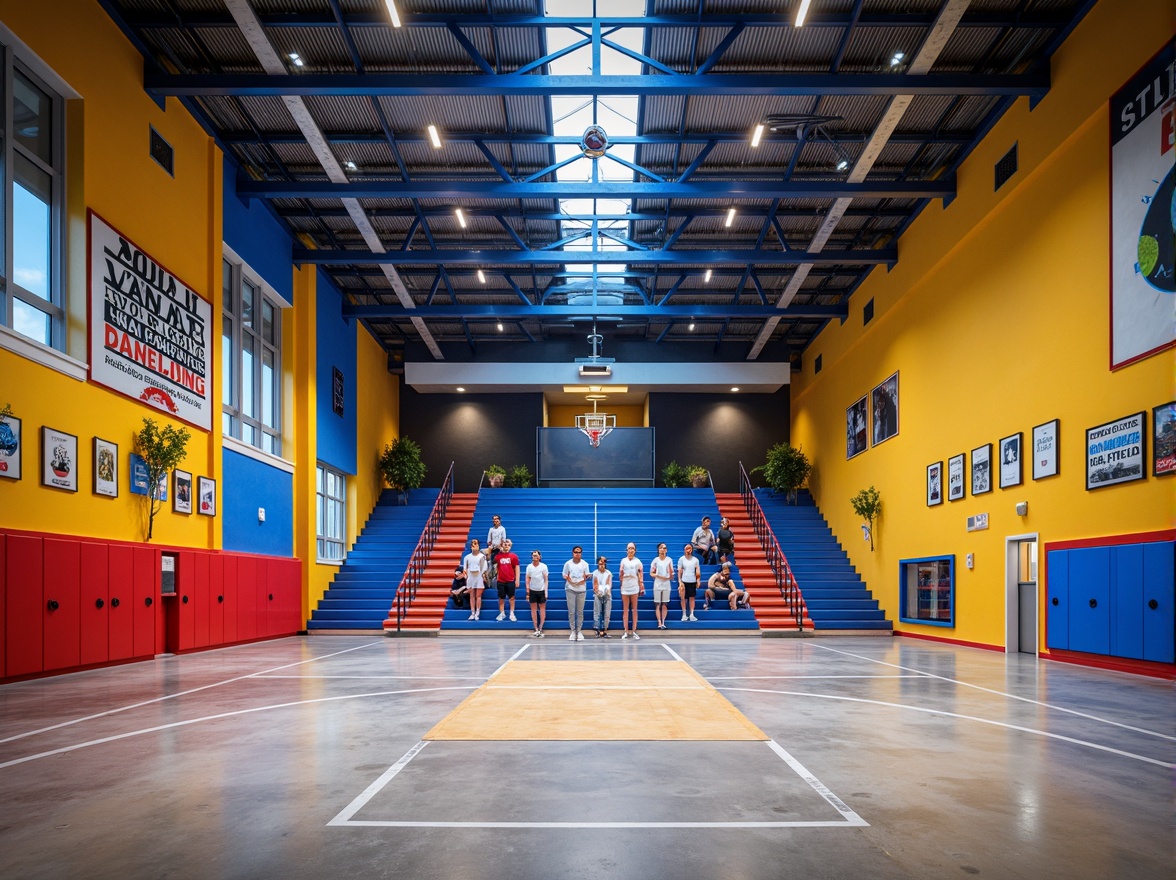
220 598
114 602
147 601
185 600
1055 600
98 603
1094 603
1153 604
53 605
271 595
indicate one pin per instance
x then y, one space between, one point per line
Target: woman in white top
662 572
475 566
601 598
632 586
537 577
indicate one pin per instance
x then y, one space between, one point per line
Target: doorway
1021 596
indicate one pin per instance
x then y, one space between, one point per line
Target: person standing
495 537
661 570
575 574
689 575
474 565
632 586
537 577
507 564
704 542
601 597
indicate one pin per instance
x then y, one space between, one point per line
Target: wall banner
150 334
1143 212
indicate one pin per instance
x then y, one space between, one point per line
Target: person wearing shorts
601 598
632 587
537 577
508 579
661 570
575 575
474 564
720 588
689 574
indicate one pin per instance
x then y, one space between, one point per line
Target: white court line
1046 733
131 733
344 818
1003 694
805 677
513 656
178 694
674 653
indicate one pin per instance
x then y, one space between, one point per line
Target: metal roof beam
742 257
557 216
479 138
516 312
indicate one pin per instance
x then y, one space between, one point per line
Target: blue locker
1057 602
1090 600
1159 586
1127 608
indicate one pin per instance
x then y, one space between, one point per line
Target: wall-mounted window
251 359
32 139
927 590
331 514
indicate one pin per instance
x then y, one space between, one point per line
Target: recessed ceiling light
481 276
730 216
393 13
459 388
460 217
802 12
691 328
757 134
735 388
434 137
295 59
594 388
499 326
586 389
707 277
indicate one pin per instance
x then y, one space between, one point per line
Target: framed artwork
1164 439
181 491
934 484
105 468
982 469
11 447
857 436
139 482
1115 451
1010 461
59 459
885 400
955 477
206 496
1045 450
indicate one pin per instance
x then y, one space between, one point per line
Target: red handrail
407 590
785 579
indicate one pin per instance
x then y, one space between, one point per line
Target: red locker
3 582
216 599
145 601
95 602
200 598
62 618
122 601
297 622
232 599
24 601
181 607
267 614
246 598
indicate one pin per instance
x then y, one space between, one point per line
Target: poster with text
1115 451
1143 212
150 333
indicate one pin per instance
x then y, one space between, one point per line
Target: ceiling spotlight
730 216
459 388
460 217
481 276
896 59
757 134
499 326
691 327
802 12
295 59
350 166
393 13
842 164
434 137
707 277
735 388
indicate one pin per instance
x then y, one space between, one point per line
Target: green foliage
161 449
519 477
6 412
675 476
401 464
697 475
786 469
495 471
868 505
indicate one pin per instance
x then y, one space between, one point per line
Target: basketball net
595 425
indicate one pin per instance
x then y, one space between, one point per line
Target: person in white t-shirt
537 577
474 564
632 586
601 598
689 576
661 570
575 575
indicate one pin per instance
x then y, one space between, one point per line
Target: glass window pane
227 424
319 479
248 434
267 322
30 321
227 360
268 414
248 292
248 403
30 224
32 118
227 285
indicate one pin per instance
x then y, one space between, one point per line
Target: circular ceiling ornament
594 141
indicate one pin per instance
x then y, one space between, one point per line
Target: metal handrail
413 575
785 579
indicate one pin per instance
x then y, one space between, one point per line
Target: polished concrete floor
301 758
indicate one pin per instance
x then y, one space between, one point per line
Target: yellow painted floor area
596 701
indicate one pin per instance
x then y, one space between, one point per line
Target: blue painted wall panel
1057 604
1159 585
248 484
1127 607
257 237
336 349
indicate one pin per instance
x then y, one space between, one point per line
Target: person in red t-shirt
507 566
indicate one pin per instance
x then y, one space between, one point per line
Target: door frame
1012 599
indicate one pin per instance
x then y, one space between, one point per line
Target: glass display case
927 590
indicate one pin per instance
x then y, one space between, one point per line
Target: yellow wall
996 318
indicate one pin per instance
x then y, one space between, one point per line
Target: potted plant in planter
698 476
161 450
786 469
519 477
495 476
867 504
674 475
401 465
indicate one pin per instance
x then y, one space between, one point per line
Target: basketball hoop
595 425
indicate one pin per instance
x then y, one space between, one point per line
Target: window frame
322 499
934 597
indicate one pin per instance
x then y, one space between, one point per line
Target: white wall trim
232 443
42 354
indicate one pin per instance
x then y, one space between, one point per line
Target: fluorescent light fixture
296 59
393 13
481 276
757 134
460 217
842 164
434 137
596 397
802 12
897 59
730 216
707 277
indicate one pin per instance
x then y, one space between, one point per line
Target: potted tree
698 476
401 465
867 504
674 475
519 477
786 469
161 450
495 476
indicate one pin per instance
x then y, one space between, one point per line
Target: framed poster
857 437
1045 450
885 400
181 491
955 477
139 481
105 468
982 469
1164 439
11 447
1115 451
1142 248
206 496
59 459
1010 461
934 484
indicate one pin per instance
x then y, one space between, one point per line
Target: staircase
834 593
427 608
362 589
754 572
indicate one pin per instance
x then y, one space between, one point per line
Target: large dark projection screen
565 455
